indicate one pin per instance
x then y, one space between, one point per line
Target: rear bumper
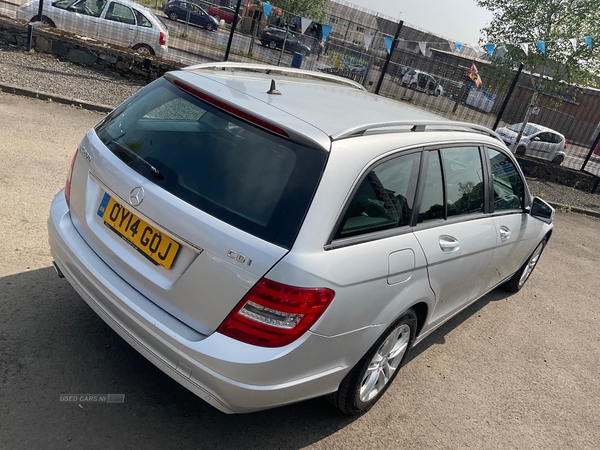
231 376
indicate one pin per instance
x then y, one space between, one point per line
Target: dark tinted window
384 198
509 190
247 177
432 202
464 180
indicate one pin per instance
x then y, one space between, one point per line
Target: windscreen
241 174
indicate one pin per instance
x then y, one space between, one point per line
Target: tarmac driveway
509 372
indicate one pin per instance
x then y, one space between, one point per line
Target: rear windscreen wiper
138 159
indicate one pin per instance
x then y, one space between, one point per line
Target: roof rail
274 70
415 126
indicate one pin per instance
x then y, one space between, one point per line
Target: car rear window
243 175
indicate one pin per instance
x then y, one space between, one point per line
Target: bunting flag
542 46
423 48
588 41
490 48
475 48
473 74
266 9
458 46
525 47
305 23
368 39
326 30
573 42
388 44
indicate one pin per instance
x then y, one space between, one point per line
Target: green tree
554 22
312 9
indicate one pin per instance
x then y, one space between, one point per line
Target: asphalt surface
516 371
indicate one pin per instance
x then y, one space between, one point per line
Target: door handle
449 244
504 233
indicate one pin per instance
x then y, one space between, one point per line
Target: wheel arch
421 309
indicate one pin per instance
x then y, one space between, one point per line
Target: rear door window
245 176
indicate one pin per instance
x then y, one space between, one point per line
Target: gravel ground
47 74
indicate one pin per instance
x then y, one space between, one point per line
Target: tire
518 280
272 45
217 17
173 16
304 52
45 20
436 93
143 49
520 150
558 159
413 86
369 379
210 26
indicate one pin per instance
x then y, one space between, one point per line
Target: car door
373 254
454 228
516 230
118 25
79 17
539 145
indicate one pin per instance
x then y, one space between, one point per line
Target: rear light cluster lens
162 40
565 146
68 183
272 314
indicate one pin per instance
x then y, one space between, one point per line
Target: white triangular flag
573 43
525 47
423 48
368 39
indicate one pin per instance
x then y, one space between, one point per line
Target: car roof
312 107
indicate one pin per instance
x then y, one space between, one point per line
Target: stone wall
535 168
87 52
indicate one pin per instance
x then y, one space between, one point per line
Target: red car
222 12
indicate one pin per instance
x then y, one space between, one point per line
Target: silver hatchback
267 235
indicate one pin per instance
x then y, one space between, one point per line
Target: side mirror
542 210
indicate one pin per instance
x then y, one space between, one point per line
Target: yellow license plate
154 245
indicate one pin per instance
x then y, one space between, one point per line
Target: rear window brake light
232 110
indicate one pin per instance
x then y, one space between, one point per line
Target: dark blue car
190 12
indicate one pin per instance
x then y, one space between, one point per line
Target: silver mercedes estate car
267 235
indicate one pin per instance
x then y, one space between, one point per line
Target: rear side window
384 199
256 181
464 180
461 188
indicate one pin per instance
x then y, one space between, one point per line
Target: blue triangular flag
588 41
267 9
458 46
326 30
388 43
542 46
490 48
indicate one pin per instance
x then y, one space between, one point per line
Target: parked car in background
273 38
190 12
223 12
266 235
537 141
422 81
121 22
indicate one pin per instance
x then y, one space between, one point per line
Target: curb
567 208
55 98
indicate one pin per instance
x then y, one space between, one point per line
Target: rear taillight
565 146
272 314
68 183
162 40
